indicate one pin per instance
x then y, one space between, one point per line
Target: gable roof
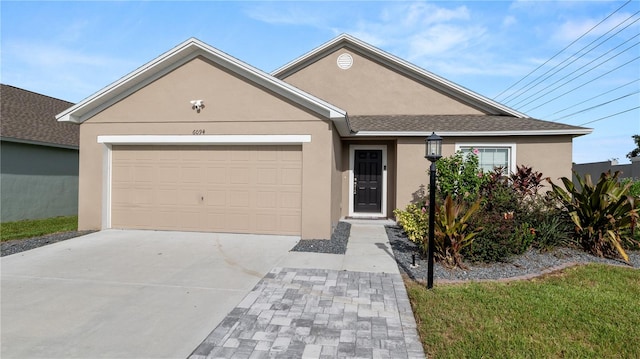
29 117
180 55
402 66
459 125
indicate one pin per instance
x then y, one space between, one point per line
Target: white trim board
383 212
203 139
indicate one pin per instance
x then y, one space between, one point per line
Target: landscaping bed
336 245
21 245
532 262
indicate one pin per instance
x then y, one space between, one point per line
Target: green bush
601 212
634 189
414 220
494 243
459 176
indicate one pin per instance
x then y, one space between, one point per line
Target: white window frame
511 146
383 206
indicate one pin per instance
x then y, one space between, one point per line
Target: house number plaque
198 132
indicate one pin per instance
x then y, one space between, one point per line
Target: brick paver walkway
318 313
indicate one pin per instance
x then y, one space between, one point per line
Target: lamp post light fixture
433 154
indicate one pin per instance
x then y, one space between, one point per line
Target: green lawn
590 311
37 227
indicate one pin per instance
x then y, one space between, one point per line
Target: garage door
237 189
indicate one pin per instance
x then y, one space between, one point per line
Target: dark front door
367 181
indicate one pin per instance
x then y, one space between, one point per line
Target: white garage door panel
241 189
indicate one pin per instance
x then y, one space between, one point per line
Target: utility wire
592 98
588 82
577 58
615 114
561 51
576 77
525 90
599 105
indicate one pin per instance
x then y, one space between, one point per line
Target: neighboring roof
29 117
458 125
183 53
412 71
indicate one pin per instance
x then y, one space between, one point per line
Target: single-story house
39 157
198 140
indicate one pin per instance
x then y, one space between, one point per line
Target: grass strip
37 227
590 311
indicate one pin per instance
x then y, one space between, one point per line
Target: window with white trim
490 157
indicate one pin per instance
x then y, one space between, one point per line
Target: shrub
497 195
600 212
500 238
452 230
414 220
526 181
459 176
634 188
553 230
493 244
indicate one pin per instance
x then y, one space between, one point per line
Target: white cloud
421 14
48 55
574 28
59 71
442 40
288 15
509 21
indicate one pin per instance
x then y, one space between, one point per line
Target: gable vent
345 61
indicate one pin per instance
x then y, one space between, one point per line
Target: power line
576 77
592 98
588 82
599 105
579 57
559 52
525 90
615 114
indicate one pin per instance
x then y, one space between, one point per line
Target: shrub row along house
39 157
198 140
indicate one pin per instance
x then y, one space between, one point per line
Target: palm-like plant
600 212
452 230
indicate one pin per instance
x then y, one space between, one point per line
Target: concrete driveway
128 294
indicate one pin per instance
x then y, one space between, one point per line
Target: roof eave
39 143
402 66
572 132
175 58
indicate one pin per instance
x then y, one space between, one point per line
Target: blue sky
69 50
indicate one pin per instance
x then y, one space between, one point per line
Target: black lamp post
433 154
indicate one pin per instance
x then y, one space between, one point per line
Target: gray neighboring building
38 157
631 170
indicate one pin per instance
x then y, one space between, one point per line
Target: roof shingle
456 123
28 116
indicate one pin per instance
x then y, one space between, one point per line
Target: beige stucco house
338 132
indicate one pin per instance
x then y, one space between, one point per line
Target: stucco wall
233 106
550 155
37 181
368 88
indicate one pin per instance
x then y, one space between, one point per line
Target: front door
367 181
